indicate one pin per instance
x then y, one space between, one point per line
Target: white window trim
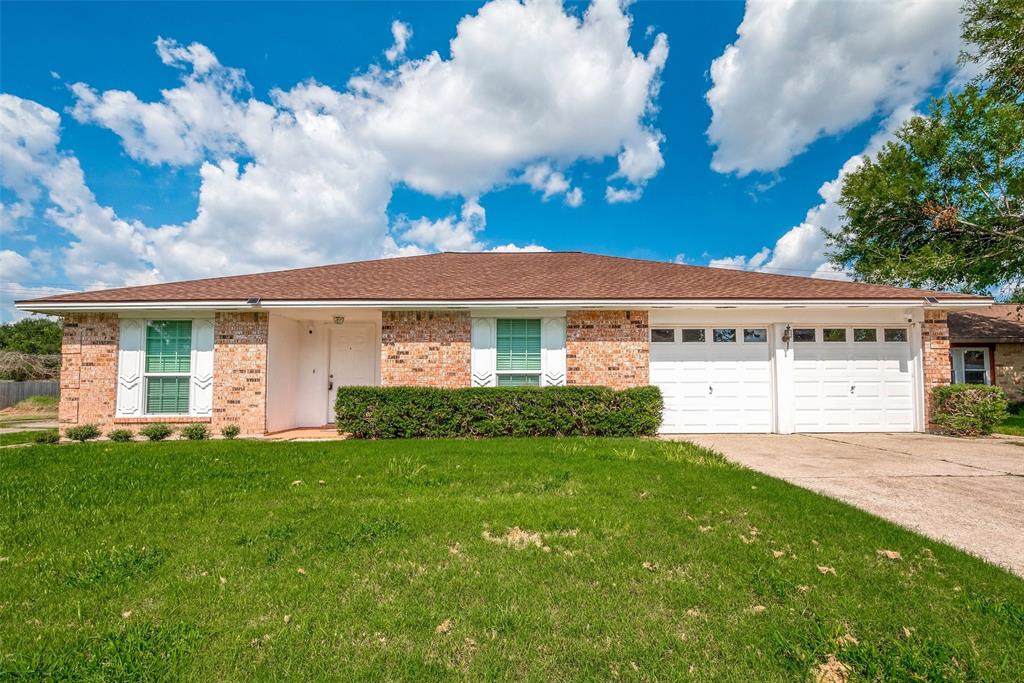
960 372
133 379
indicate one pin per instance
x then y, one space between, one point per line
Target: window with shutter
168 366
518 352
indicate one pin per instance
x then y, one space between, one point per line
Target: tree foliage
995 31
943 204
31 335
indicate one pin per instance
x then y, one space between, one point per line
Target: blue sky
97 194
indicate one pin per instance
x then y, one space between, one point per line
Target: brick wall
240 371
88 371
935 355
608 348
424 348
1009 370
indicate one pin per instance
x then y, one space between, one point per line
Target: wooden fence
12 392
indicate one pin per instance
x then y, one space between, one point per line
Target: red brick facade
607 348
88 371
425 349
935 355
240 371
1009 370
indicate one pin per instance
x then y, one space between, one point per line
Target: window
755 335
834 334
865 334
692 336
168 366
518 352
969 366
897 334
663 335
804 334
724 334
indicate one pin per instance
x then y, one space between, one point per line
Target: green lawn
12 438
1014 424
539 559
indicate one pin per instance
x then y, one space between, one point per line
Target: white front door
713 379
852 379
353 360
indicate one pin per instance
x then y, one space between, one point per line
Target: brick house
732 351
987 347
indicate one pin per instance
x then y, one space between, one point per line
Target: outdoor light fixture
787 335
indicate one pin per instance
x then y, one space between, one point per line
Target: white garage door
852 379
713 379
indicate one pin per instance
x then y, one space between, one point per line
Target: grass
14 438
1014 424
537 559
31 409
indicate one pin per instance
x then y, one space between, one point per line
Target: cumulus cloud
802 250
802 70
305 175
401 32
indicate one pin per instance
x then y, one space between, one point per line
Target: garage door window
755 335
834 334
865 334
897 334
805 334
724 334
663 335
692 336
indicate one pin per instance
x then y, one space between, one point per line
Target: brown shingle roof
500 276
999 323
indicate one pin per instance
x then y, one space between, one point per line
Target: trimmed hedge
408 412
968 409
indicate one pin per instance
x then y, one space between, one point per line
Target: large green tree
942 205
31 335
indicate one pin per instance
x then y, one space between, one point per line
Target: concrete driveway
966 492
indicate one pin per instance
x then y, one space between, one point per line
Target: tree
943 204
995 30
31 335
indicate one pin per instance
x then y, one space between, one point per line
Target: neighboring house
988 348
732 351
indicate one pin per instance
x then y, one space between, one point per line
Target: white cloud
14 266
619 196
803 69
401 32
550 183
305 175
514 248
802 249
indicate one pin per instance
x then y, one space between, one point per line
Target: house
987 347
732 351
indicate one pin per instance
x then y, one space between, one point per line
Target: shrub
49 436
197 431
968 409
230 431
157 431
403 412
82 432
121 435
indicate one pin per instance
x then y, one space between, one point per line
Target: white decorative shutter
484 337
201 393
131 352
552 362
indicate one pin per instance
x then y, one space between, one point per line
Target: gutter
386 304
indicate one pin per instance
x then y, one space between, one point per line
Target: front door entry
352 360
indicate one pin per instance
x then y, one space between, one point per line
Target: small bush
197 431
968 409
157 431
230 431
120 435
82 432
49 436
405 412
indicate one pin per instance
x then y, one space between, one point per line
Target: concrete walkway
966 492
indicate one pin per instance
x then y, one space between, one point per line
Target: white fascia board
575 304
